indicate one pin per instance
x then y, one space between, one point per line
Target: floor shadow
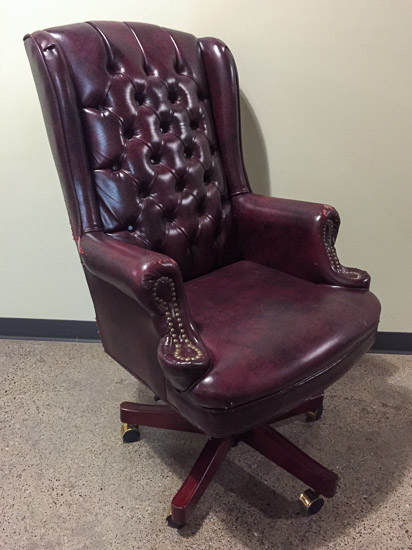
254 148
364 436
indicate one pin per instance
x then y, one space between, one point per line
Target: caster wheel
173 524
311 501
313 416
130 433
156 398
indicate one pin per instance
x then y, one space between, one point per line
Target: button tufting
166 169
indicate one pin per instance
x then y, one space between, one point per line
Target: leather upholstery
147 277
296 237
231 306
148 129
271 329
226 422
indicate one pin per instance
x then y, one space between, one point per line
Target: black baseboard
86 331
393 342
48 329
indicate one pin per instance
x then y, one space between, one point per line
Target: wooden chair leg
282 452
198 480
264 439
156 416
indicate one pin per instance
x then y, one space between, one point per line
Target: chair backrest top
143 101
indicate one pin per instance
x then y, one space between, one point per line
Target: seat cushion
268 331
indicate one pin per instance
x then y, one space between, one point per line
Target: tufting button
164 128
139 97
115 167
100 107
172 97
187 153
206 177
194 124
154 160
110 68
180 185
130 227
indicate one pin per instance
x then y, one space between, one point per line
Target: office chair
232 307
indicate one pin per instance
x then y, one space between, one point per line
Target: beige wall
327 106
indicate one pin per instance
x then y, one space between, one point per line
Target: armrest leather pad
296 237
155 282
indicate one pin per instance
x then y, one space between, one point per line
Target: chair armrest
295 237
155 282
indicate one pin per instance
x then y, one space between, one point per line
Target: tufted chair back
141 159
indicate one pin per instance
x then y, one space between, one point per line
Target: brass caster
130 433
312 416
171 523
311 501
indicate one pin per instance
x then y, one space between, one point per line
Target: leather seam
293 385
245 192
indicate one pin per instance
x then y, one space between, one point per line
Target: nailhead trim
331 250
176 330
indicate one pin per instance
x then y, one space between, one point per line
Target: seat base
263 439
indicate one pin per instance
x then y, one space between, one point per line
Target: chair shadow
254 148
363 436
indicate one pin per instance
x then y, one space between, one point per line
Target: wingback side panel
143 101
223 81
64 129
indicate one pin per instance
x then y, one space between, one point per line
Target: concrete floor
67 481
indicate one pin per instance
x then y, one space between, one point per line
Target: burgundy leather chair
232 307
